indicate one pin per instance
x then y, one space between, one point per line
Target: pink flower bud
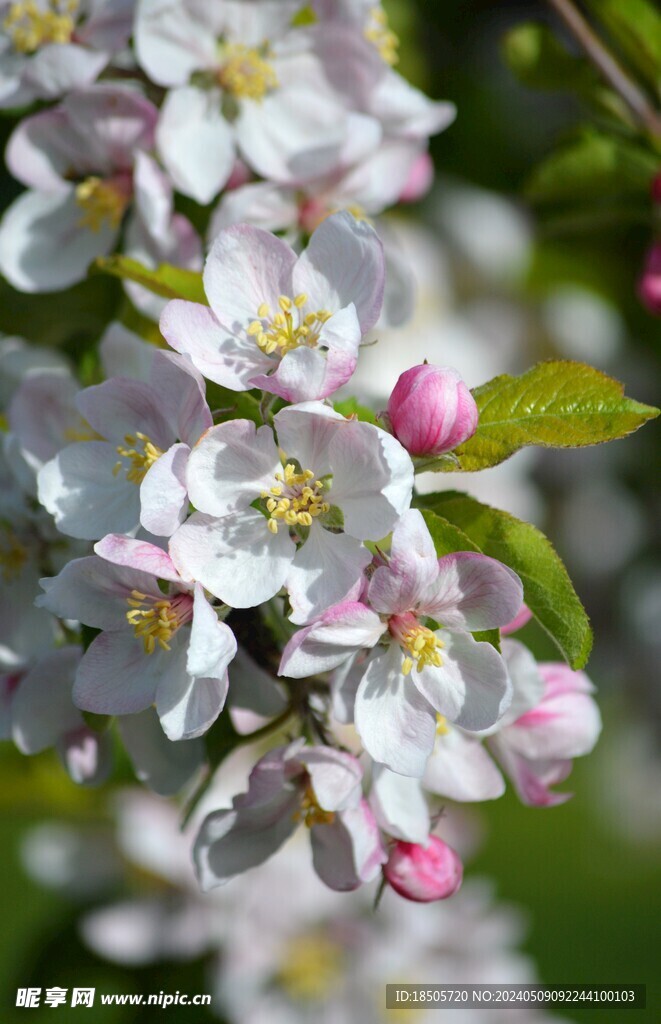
518 622
420 179
424 873
649 286
431 410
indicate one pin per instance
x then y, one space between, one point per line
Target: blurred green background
587 873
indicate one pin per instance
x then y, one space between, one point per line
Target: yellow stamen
295 501
288 328
311 968
13 555
31 25
310 813
140 461
245 73
378 32
422 646
101 201
82 433
156 622
442 727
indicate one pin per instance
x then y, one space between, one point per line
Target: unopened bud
431 410
424 873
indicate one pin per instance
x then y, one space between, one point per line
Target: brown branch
608 67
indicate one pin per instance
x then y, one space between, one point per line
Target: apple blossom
431 410
166 648
132 469
353 482
315 786
289 325
455 676
424 873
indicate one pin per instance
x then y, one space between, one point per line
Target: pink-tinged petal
43 247
378 180
93 591
349 851
165 767
523 616
396 724
304 433
123 406
163 494
231 466
460 768
526 677
171 44
225 358
565 724
195 142
79 489
532 779
345 681
117 677
212 643
372 479
41 150
261 203
43 413
413 566
236 558
86 756
323 573
42 708
472 592
181 391
399 805
245 268
138 554
343 264
406 112
471 687
60 67
305 374
112 123
335 776
339 633
108 26
424 873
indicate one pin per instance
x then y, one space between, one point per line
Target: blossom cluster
206 546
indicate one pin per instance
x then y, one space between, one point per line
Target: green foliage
228 404
548 591
352 407
540 61
635 26
168 281
557 404
447 538
594 167
71 319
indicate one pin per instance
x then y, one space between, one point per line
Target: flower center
139 461
294 500
442 727
156 621
102 200
13 555
420 645
289 327
378 32
311 967
310 813
31 25
245 73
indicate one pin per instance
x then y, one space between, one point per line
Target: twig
608 66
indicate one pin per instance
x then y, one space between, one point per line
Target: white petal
327 643
162 765
335 776
324 571
231 466
305 431
163 494
236 558
460 768
399 805
60 67
171 43
396 724
94 591
43 709
472 592
188 705
261 203
349 851
212 643
413 566
195 142
117 676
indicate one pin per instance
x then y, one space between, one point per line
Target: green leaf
488 636
446 537
232 404
352 407
635 25
537 58
595 167
548 591
558 404
168 281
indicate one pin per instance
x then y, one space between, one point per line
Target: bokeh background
501 284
